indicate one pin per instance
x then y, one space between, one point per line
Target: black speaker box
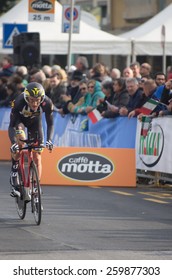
26 49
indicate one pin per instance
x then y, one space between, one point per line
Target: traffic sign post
67 16
11 30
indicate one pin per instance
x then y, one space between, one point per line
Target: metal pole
163 41
70 34
133 56
164 59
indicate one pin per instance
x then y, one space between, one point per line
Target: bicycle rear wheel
35 194
20 201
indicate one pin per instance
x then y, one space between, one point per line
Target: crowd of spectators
81 88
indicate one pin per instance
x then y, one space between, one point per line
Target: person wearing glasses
95 92
27 112
83 100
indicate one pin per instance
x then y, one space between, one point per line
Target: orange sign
43 10
89 166
4 145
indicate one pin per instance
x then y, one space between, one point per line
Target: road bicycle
29 181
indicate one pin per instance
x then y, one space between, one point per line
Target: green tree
6 5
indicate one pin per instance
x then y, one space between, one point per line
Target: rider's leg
20 135
14 175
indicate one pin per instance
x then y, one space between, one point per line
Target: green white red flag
145 126
149 106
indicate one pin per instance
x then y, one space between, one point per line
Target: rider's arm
48 109
12 125
17 106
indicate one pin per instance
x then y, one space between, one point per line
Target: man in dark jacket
7 67
135 95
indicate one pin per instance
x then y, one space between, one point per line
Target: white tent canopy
90 40
147 37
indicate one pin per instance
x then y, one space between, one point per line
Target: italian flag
95 116
146 125
149 106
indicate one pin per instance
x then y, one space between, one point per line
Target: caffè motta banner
41 10
89 167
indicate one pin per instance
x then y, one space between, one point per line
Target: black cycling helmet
35 90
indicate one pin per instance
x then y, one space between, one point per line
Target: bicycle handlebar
31 144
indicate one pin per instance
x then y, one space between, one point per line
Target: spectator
100 73
149 88
82 65
55 68
121 98
127 73
135 67
107 89
47 70
62 73
94 88
17 80
7 67
115 73
160 78
69 72
3 88
166 111
135 94
23 73
82 103
73 90
145 70
166 92
39 77
141 82
12 93
57 89
32 73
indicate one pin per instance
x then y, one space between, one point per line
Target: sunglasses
83 88
90 86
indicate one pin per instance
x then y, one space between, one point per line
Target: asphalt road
88 223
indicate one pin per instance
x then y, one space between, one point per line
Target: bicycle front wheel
35 194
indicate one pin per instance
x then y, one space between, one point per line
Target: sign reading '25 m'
41 10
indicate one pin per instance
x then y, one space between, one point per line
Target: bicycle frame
26 173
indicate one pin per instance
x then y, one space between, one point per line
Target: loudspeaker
26 49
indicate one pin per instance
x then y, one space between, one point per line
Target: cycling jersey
21 113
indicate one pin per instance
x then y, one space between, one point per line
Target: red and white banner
95 116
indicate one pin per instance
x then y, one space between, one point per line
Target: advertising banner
88 166
153 145
41 10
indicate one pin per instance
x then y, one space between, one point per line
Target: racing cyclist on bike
27 112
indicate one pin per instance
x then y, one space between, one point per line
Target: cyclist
27 112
